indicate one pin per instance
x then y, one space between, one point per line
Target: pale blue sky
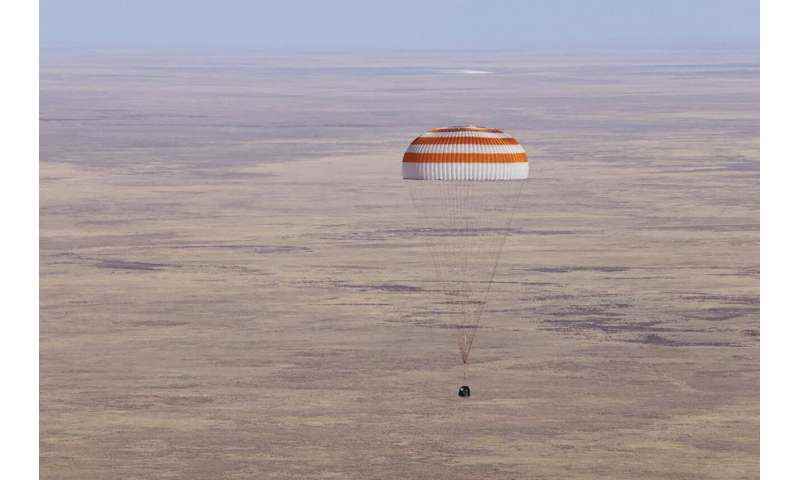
402 25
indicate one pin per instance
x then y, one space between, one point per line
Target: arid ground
231 286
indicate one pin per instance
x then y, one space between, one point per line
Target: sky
337 25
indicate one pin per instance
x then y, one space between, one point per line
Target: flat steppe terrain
230 289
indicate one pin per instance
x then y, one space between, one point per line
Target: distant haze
401 25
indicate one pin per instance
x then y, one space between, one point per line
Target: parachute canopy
467 153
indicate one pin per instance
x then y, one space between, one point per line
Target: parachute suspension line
446 214
429 201
497 238
418 201
470 254
459 273
465 236
464 248
450 221
499 251
430 189
449 203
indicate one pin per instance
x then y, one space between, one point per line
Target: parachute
465 183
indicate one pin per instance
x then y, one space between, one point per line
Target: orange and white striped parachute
465 183
465 154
